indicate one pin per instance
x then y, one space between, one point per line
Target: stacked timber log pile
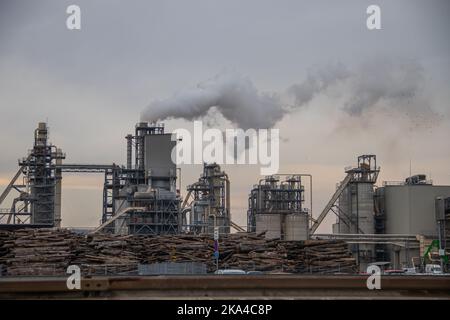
319 256
4 236
311 256
38 252
251 252
245 251
326 256
49 252
105 254
175 248
4 250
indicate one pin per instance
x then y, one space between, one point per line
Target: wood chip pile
50 252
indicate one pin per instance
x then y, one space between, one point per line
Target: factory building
139 198
207 204
395 223
276 207
147 191
408 208
404 223
354 210
39 201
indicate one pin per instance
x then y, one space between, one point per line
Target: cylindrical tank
271 223
356 209
364 208
296 227
345 200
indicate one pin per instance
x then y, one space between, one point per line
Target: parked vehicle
255 272
433 269
230 271
410 271
394 271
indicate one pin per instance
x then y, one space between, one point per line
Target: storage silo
355 209
296 227
270 224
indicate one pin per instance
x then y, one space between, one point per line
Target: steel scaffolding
39 200
209 202
273 196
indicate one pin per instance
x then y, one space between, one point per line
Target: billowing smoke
392 82
234 96
317 81
393 87
379 84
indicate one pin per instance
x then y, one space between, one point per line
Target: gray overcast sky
92 84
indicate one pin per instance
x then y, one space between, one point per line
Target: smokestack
129 150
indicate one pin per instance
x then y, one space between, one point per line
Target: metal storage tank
271 223
276 204
296 227
345 200
357 198
356 205
356 202
364 208
410 209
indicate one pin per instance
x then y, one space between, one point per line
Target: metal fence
172 268
108 269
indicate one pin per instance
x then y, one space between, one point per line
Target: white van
230 271
433 269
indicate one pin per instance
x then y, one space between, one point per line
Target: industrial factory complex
402 227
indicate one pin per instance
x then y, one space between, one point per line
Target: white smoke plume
379 84
317 81
234 96
390 86
393 82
